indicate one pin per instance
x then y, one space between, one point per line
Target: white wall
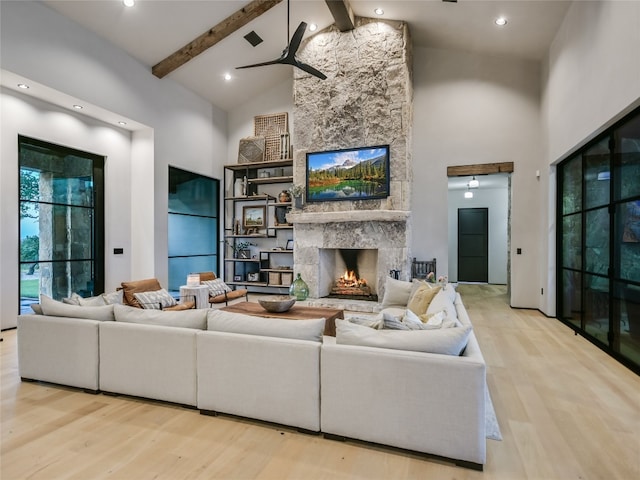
496 200
184 130
590 80
471 109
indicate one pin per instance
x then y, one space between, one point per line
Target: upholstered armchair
146 286
226 296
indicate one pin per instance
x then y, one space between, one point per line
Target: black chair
421 268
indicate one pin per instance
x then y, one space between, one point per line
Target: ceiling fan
288 56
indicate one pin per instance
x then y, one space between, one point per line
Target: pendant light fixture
474 183
468 193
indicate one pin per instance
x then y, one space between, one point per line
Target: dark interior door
473 244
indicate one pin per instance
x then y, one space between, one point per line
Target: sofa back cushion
229 322
186 319
54 308
448 341
396 293
138 286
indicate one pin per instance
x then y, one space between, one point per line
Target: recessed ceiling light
24 86
501 21
378 11
78 107
313 27
122 123
227 76
128 3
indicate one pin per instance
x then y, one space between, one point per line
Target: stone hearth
366 100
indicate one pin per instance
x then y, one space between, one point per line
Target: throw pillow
58 309
216 287
449 341
113 297
138 286
196 319
442 301
91 301
37 309
396 293
74 299
376 322
421 299
220 321
392 322
155 300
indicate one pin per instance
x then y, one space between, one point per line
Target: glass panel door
61 222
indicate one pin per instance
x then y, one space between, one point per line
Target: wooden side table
198 292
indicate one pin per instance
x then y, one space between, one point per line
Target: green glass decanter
299 289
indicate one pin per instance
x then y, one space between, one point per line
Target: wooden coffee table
297 312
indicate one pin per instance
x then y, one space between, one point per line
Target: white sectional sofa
274 370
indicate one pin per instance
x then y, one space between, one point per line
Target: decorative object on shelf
251 150
284 197
241 249
264 174
442 280
236 227
237 278
297 191
289 244
299 289
253 217
284 146
238 188
274 278
193 280
253 277
277 303
286 278
271 127
281 215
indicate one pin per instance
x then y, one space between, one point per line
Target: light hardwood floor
566 411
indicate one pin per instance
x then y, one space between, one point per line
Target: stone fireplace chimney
365 101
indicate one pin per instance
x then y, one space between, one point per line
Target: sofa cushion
155 300
448 341
58 309
216 287
268 327
421 299
37 308
137 286
186 319
396 292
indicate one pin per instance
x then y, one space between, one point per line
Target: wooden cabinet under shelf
263 183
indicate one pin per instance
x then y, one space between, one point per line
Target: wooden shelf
265 180
253 165
249 198
249 260
250 284
280 270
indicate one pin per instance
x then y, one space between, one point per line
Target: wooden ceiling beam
212 36
479 169
342 14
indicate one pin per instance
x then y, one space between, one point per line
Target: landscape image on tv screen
351 174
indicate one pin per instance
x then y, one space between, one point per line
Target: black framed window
193 225
598 241
61 221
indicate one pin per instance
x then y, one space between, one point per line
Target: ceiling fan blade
270 62
310 69
294 44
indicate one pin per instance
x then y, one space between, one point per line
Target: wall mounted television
360 173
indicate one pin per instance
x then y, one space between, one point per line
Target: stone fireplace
365 101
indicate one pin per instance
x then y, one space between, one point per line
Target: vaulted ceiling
153 30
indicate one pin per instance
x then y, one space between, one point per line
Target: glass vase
299 289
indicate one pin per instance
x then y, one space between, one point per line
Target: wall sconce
474 183
468 193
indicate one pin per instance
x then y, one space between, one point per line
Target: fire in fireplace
350 285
